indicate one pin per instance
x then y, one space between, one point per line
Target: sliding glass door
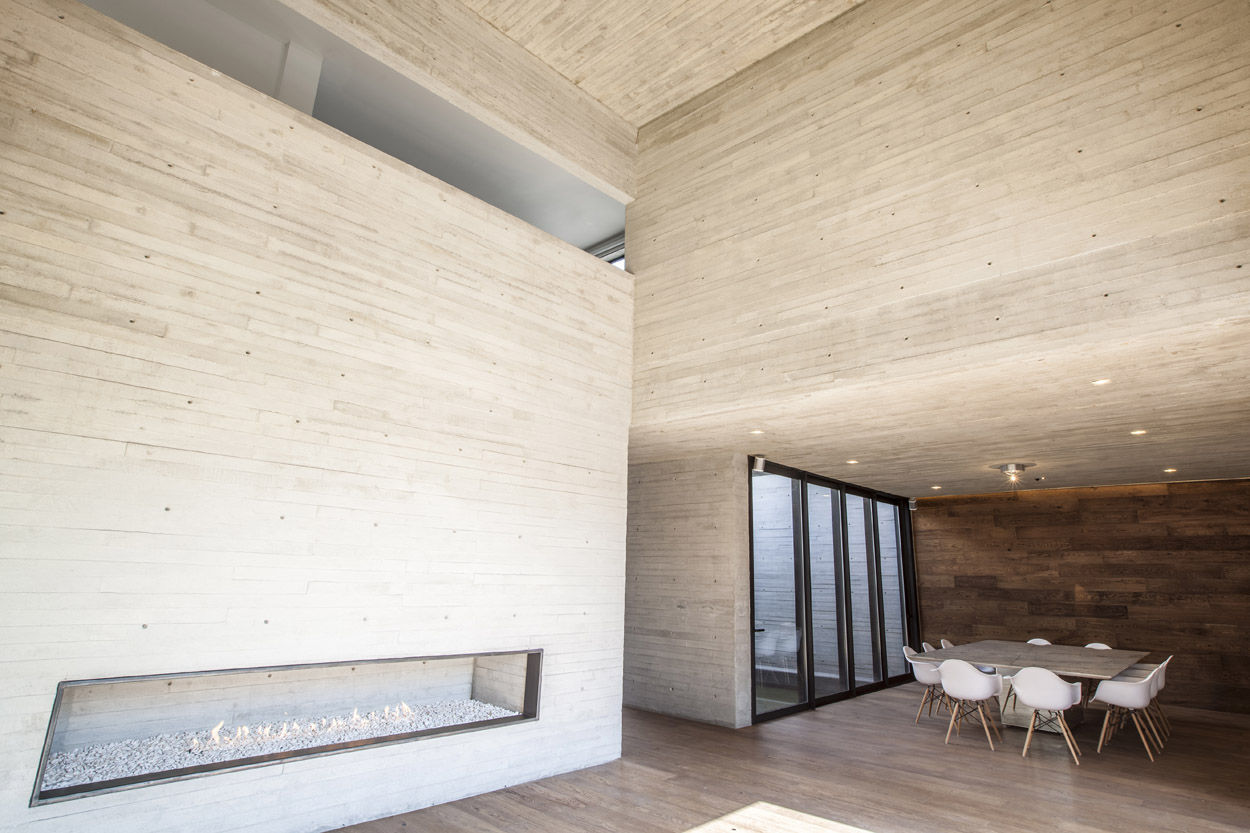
824 537
830 590
780 654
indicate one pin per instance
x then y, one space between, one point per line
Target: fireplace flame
219 737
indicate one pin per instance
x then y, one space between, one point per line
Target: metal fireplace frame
529 712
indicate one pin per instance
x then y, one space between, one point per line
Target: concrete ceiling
645 57
931 422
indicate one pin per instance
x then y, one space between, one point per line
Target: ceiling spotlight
1137 432
757 465
1169 471
935 488
1014 470
756 431
1101 382
852 462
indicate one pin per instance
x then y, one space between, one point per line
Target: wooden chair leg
993 723
1029 737
1144 742
924 699
1102 736
1161 720
985 724
1071 741
951 725
1154 730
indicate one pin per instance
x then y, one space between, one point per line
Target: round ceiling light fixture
1014 471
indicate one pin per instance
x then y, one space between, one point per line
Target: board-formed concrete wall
687 599
268 396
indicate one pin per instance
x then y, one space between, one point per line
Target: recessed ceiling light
1137 432
1169 471
1101 382
757 431
935 487
853 462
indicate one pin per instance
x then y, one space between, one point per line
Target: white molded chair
1037 640
927 674
946 643
967 691
1125 699
1158 721
1042 691
926 647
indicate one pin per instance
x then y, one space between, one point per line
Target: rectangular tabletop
1064 660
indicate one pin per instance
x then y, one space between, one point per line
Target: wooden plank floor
861 765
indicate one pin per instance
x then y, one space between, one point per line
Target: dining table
1074 662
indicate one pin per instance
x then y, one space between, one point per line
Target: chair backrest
1040 688
924 672
946 643
1037 640
1160 676
926 646
962 681
1131 694
1099 646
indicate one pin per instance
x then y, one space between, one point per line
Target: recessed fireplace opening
124 732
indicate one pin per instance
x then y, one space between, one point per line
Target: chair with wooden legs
968 691
1142 670
1049 697
927 674
1128 699
1011 695
1155 706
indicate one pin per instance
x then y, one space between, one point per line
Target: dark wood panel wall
1162 567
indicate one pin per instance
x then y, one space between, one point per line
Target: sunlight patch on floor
762 817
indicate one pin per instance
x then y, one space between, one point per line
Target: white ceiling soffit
248 40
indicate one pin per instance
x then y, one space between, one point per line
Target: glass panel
780 679
824 529
863 589
892 587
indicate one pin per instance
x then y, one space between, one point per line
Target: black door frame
803 588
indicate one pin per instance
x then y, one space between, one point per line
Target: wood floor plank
863 766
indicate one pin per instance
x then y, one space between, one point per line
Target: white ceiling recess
271 48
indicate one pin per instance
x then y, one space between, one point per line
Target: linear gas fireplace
114 734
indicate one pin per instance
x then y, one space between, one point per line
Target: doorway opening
833 592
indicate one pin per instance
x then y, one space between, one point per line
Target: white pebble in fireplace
120 733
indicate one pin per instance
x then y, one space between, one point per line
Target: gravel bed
175 750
